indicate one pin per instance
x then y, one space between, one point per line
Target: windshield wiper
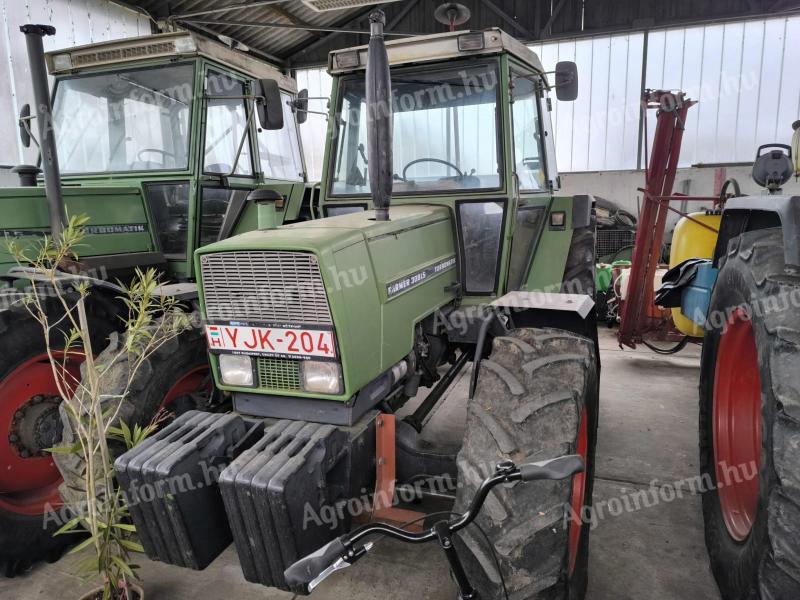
149 89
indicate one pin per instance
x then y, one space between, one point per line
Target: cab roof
176 44
437 47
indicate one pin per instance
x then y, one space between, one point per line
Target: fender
751 213
109 293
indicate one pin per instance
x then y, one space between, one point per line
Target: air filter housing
325 5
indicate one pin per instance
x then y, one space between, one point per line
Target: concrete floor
648 435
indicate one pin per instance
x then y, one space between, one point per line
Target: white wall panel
744 78
314 131
599 130
77 22
743 75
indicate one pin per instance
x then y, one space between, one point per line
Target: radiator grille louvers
265 286
278 373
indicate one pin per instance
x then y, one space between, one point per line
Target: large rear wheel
29 424
537 398
750 422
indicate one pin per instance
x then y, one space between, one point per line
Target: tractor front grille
611 241
278 373
264 286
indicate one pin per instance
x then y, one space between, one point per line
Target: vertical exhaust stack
44 119
379 118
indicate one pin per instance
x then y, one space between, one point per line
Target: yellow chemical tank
692 240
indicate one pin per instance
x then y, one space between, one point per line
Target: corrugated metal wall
313 131
599 131
746 80
77 22
744 75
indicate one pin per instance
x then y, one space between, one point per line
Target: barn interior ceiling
292 33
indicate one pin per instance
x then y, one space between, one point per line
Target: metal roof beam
274 25
290 16
328 38
275 60
508 19
548 27
235 6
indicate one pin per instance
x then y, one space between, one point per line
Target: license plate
271 340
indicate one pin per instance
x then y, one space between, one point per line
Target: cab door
531 174
280 162
228 170
274 161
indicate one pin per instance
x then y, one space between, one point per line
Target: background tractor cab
159 141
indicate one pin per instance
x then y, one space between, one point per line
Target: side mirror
270 106
301 106
566 80
24 125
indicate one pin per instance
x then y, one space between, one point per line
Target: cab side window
279 150
529 161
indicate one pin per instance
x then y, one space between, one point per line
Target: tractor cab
159 140
472 131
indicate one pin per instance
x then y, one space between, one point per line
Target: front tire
750 422
175 377
536 398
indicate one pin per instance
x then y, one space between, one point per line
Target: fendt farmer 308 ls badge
158 143
322 330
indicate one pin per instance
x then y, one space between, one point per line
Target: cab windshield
445 132
134 120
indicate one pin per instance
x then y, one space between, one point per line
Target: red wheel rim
737 425
579 492
28 485
194 381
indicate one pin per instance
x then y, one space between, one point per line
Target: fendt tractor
159 140
444 243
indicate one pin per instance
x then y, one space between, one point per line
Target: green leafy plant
149 320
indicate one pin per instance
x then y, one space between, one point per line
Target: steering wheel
433 160
163 153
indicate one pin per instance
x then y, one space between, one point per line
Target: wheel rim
194 381
579 492
28 484
737 425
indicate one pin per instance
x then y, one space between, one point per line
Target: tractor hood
380 278
333 233
118 220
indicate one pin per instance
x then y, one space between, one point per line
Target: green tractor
159 140
444 243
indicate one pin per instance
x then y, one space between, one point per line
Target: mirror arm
26 123
245 133
310 112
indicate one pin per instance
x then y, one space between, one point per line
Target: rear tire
534 394
579 271
752 531
26 535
